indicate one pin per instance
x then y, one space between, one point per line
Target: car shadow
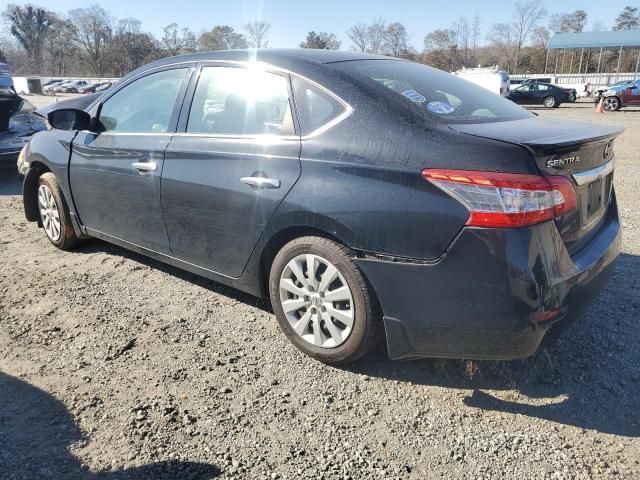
589 378
36 431
9 182
94 246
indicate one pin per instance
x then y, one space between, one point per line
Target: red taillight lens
506 199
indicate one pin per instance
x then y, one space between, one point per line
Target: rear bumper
481 299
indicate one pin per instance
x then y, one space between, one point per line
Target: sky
291 19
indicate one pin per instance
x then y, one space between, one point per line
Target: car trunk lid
580 151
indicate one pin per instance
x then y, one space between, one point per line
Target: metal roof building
618 40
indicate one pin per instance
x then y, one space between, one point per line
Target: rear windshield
439 94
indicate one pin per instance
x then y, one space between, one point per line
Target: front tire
550 102
54 213
322 302
612 104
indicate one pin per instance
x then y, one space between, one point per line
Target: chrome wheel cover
49 213
317 301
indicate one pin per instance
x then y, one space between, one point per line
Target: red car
624 95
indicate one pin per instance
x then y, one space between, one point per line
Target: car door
234 161
631 94
115 170
542 91
521 94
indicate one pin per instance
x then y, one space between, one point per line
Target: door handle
145 166
261 182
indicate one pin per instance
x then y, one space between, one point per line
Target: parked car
52 87
17 123
352 190
104 86
620 94
94 87
72 86
51 82
540 94
580 89
573 94
491 78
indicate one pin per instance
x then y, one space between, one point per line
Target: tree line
91 41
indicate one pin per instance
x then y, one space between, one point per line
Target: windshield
441 95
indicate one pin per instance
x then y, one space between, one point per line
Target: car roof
290 59
275 56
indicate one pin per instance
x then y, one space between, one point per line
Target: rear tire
331 315
54 213
550 101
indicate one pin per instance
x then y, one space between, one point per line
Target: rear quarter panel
361 180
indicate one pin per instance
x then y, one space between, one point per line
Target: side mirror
69 119
632 87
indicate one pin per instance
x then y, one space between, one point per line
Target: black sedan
354 191
17 123
545 94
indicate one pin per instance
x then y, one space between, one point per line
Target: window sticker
414 96
439 107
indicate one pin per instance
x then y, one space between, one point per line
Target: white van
491 78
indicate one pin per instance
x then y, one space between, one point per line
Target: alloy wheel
317 301
49 213
549 102
611 104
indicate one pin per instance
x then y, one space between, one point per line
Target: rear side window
437 94
240 101
316 107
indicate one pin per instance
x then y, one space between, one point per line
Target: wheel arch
30 190
283 236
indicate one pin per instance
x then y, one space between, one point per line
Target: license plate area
594 200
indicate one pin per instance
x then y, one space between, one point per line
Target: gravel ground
115 366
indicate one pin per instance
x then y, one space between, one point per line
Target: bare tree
541 36
476 30
396 40
93 30
358 34
257 32
176 41
463 34
440 49
30 26
568 22
503 40
375 35
60 45
130 47
526 18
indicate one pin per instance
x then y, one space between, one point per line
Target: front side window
240 101
435 93
144 106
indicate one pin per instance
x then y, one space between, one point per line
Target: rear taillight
506 199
